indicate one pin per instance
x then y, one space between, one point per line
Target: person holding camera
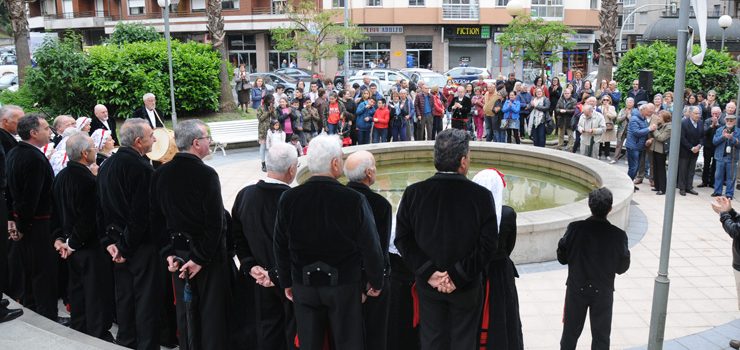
726 144
731 224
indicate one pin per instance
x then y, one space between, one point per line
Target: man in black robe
74 204
149 111
594 250
61 123
253 228
360 170
103 121
29 182
446 230
123 218
324 236
10 264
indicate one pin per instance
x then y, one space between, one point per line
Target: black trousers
401 332
89 292
209 308
375 313
40 263
450 321
138 299
276 327
659 175
686 170
319 308
4 243
459 124
710 167
436 127
598 302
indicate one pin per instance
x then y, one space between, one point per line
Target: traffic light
590 55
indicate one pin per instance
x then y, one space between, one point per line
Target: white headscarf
493 180
81 122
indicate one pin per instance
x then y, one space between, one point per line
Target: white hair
77 144
643 107
358 173
280 157
715 108
321 151
148 95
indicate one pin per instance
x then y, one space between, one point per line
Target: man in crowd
448 275
614 93
103 121
711 124
149 111
74 201
564 110
325 239
253 228
730 109
29 183
646 158
594 250
637 93
591 125
408 106
726 141
691 139
637 132
189 211
61 123
10 260
360 170
423 105
731 224
509 84
123 193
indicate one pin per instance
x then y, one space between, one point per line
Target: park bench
233 131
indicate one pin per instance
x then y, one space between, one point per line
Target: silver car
387 77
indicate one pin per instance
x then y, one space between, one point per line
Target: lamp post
346 52
724 22
515 8
166 16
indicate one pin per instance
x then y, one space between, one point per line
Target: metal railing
83 14
461 11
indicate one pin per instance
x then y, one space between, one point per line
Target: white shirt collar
270 180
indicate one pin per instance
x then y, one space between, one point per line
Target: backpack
438 108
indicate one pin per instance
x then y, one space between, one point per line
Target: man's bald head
101 112
360 167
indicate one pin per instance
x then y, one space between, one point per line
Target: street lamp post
627 18
515 8
724 22
346 52
165 4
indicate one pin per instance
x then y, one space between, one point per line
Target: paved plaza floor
702 308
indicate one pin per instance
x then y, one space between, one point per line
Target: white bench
234 131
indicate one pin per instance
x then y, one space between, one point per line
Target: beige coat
597 124
610 117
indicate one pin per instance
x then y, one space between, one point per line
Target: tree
536 40
17 11
315 33
133 32
217 34
608 17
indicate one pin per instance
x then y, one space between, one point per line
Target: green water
525 190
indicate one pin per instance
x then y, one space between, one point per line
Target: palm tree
17 12
216 32
608 17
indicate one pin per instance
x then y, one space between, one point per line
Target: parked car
464 75
409 71
387 77
8 69
359 80
276 78
298 73
8 80
339 78
430 78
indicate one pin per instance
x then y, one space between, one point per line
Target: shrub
715 73
125 33
21 98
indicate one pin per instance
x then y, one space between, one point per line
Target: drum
164 149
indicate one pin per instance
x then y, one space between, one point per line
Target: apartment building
422 33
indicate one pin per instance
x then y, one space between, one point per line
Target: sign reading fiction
382 29
468 32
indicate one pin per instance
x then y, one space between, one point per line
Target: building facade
436 34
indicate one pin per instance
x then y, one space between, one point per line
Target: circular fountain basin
548 188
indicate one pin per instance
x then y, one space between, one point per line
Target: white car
359 80
429 78
410 71
387 77
592 77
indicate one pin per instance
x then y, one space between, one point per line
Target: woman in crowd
286 119
502 323
381 118
104 142
658 102
83 124
708 104
659 147
243 87
668 101
538 118
311 120
478 102
586 88
610 118
334 111
266 113
623 120
398 117
539 83
554 92
437 125
258 93
510 122
602 90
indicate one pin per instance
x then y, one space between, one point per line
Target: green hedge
716 73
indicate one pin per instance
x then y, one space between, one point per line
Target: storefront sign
580 38
468 32
382 30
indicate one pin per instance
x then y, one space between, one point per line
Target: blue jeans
633 162
499 135
488 124
399 132
725 176
539 135
263 146
380 135
331 129
363 137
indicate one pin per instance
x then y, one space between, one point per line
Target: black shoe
637 188
4 303
682 192
703 185
10 315
264 168
660 193
692 192
653 189
64 321
716 194
735 344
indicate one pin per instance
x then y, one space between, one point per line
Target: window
629 24
230 4
363 53
717 10
547 8
628 3
502 3
67 9
595 4
198 5
374 3
416 3
136 7
338 4
460 9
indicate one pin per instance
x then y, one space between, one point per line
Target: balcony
85 19
461 11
